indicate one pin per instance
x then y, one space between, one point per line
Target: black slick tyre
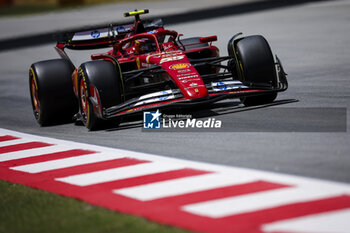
51 92
88 116
256 65
105 78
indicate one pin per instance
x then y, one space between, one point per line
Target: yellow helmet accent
136 12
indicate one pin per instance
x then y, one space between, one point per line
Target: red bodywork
164 52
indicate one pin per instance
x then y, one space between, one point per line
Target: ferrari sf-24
147 67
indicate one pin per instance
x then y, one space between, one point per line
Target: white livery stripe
66 162
335 221
119 173
181 186
32 152
14 142
156 94
253 202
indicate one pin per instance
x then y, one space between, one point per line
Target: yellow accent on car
179 66
36 87
133 13
138 63
240 64
87 123
36 84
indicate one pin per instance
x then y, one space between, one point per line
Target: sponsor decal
145 65
165 97
227 85
190 80
188 76
220 86
172 58
171 54
194 86
95 34
184 70
151 120
155 99
167 56
156 94
154 31
120 29
166 47
179 66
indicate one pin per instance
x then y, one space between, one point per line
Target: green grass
23 210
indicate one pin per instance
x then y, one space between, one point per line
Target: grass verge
23 209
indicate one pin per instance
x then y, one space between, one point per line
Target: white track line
257 201
15 142
306 188
226 170
66 162
119 173
334 221
181 186
33 152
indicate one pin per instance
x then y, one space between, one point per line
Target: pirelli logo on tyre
179 66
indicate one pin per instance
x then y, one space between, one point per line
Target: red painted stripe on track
163 214
92 167
147 179
168 210
250 222
23 146
217 193
290 211
46 157
7 138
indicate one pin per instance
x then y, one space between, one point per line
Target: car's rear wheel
256 65
51 92
103 77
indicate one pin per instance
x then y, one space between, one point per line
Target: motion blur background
55 3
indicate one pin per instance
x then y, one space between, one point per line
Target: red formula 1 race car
149 67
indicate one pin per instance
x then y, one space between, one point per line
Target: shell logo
179 66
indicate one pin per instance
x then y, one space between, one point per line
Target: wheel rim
35 99
83 99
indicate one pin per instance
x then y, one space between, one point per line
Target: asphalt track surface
312 40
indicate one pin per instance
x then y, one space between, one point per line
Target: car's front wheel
100 81
256 65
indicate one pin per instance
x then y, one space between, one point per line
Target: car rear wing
102 37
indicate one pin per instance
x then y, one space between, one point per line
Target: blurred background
20 7
50 2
